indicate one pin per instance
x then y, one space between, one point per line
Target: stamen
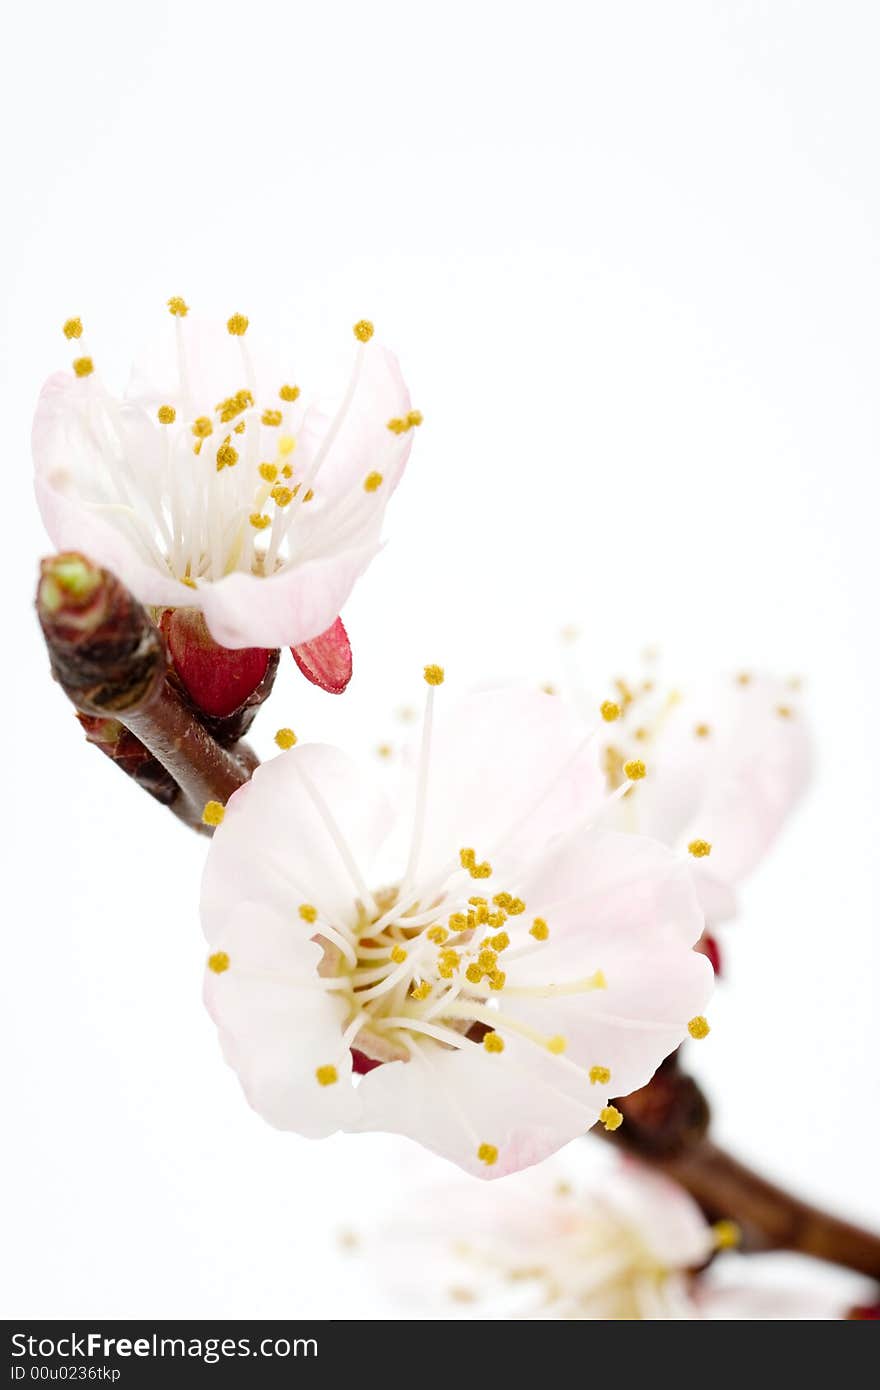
611 1117
72 328
178 307
599 1076
609 710
699 848
237 325
285 738
699 1027
83 366
488 1154
218 962
166 414
326 1075
213 813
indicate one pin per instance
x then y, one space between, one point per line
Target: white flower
724 766
209 485
518 969
619 1245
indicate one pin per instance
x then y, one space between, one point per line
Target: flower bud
219 681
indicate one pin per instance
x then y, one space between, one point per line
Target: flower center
221 490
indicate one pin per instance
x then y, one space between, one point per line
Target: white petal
274 847
278 1026
509 769
454 1101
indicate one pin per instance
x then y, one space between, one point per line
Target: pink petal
326 660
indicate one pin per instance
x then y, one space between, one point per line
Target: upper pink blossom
502 964
209 484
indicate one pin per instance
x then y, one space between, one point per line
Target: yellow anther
213 813
493 1042
218 962
286 445
549 688
414 419
396 425
611 1117
308 913
727 1235
488 1154
287 471
600 1076
177 307
289 393
372 482
482 915
450 957
635 769
497 919
202 427
285 738
477 901
72 328
516 907
483 870
497 979
83 366
435 675
609 710
784 711
281 496
326 1075
363 330
190 583
440 934
457 922
698 1027
699 848
702 730
467 858
473 974
398 955
421 991
238 326
227 457
502 900
487 960
597 980
641 734
268 472
744 678
539 929
259 522
384 750
309 495
556 1044
500 942
239 428
271 417
166 414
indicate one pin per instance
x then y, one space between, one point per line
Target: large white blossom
496 964
210 484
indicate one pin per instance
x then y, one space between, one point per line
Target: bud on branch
112 663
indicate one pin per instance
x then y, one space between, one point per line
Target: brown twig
112 663
666 1125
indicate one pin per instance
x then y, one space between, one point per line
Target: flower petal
277 1025
509 769
273 846
454 1101
326 659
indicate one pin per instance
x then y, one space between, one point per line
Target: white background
628 257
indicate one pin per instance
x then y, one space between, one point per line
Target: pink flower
724 766
618 1245
517 968
211 485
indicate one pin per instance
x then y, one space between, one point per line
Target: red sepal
326 660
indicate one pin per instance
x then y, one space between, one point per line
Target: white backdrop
627 255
